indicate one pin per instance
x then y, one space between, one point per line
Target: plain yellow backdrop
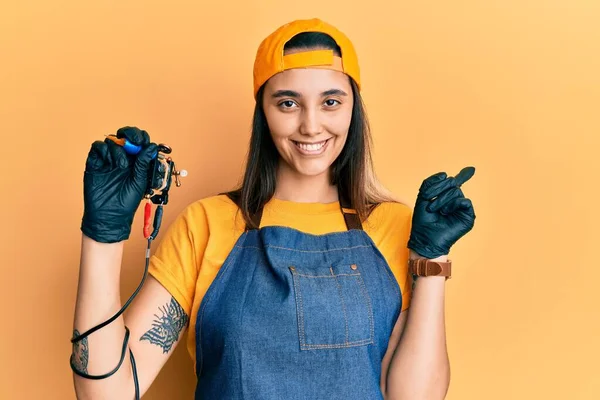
511 87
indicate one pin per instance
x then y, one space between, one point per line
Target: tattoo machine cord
159 182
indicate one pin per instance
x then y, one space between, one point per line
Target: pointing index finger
464 175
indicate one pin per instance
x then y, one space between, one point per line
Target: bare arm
417 356
392 345
154 318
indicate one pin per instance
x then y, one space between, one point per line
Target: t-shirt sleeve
407 290
176 261
390 226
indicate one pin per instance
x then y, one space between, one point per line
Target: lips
311 148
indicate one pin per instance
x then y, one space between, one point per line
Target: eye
332 102
286 104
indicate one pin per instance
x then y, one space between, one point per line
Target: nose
310 125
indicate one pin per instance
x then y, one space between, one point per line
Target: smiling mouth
311 148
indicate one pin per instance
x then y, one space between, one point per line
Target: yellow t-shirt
196 244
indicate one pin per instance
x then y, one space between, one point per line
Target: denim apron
292 315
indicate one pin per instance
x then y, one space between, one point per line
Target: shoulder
210 205
390 213
212 210
219 202
393 207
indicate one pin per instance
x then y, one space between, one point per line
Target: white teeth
311 147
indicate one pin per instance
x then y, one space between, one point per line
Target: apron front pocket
333 310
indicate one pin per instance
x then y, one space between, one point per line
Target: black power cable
157 221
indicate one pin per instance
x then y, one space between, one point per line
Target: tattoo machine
162 169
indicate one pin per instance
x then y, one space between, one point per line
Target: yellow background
511 87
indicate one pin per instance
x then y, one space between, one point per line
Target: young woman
297 284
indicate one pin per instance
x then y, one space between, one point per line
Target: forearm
420 368
98 299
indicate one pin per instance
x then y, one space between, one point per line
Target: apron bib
292 315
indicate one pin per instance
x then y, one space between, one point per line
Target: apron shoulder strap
350 215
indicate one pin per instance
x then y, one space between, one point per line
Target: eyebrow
292 93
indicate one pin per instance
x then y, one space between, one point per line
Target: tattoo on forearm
80 353
166 328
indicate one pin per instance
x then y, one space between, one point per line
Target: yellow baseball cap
270 59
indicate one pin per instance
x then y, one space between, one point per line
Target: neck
292 186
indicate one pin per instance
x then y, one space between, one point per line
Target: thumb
142 162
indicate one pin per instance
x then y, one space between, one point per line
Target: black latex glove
442 214
114 184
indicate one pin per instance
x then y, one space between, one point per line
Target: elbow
432 386
440 385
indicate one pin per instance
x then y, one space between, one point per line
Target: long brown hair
352 171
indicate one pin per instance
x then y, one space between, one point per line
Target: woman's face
308 111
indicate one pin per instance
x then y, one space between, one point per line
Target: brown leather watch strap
426 267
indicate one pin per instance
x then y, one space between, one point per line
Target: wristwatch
426 267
